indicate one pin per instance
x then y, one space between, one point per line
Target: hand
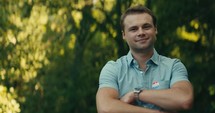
128 98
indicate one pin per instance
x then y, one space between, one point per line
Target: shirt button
141 72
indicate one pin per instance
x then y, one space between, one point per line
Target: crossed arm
107 102
178 97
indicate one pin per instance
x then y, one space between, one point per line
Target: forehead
137 19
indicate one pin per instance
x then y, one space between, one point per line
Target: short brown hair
137 10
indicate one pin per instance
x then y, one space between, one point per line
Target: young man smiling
143 81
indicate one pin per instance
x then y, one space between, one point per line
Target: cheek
152 34
127 36
131 35
128 39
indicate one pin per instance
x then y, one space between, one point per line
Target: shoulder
110 73
115 65
169 61
175 67
174 64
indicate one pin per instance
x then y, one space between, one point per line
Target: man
143 81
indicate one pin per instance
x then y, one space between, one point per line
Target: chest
152 78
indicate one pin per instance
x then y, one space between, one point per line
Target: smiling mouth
142 40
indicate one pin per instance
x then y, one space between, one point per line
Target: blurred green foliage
52 51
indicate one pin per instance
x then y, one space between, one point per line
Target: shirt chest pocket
161 84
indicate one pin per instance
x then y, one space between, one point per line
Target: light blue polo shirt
124 75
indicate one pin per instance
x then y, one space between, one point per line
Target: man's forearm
120 107
177 98
107 102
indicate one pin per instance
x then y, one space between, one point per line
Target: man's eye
133 29
147 27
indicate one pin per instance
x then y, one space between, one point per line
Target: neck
142 57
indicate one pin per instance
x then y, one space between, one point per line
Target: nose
141 32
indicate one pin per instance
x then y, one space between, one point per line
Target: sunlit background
52 51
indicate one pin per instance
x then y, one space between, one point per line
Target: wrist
137 92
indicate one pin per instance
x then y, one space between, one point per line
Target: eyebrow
132 27
144 25
147 24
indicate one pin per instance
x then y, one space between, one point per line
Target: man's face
139 32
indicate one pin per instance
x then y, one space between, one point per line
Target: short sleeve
108 75
179 72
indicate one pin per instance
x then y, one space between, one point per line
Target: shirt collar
154 58
130 58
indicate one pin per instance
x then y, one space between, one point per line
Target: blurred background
52 51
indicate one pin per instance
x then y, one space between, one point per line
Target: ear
156 31
123 35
